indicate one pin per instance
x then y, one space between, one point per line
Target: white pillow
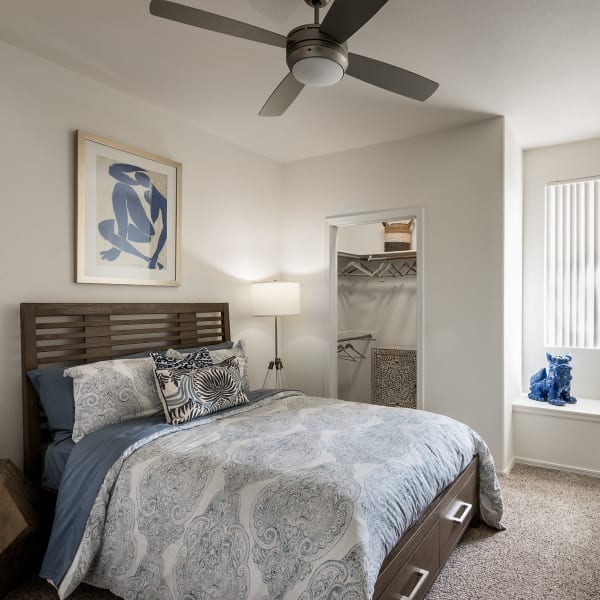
112 391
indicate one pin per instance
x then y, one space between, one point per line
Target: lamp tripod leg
279 378
275 366
269 370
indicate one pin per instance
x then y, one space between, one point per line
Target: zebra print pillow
190 393
239 351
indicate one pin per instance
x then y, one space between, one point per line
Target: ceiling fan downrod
317 5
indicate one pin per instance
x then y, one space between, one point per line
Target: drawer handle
467 510
413 594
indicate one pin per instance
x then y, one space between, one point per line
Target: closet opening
376 307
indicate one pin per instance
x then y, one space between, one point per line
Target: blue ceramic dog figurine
555 385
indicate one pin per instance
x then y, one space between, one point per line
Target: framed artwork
128 214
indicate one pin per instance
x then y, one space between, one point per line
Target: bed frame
67 334
64 334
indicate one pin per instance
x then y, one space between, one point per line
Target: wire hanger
383 269
354 265
378 265
341 350
349 346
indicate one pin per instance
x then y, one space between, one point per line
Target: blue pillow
56 396
56 393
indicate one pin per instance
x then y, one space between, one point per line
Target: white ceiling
534 61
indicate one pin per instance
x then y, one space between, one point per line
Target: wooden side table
20 527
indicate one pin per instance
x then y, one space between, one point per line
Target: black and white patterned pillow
238 351
190 393
195 360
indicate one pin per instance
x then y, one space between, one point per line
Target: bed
233 536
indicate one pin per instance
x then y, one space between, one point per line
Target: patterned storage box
394 377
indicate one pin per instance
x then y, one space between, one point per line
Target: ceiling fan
317 53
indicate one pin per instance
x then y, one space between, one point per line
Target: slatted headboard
73 333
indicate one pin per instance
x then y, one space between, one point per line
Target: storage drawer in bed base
412 566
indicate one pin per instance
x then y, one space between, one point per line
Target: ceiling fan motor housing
306 42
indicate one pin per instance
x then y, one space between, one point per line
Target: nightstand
20 527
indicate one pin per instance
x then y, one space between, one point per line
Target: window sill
584 410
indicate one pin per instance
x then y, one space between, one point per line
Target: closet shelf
349 336
380 265
380 256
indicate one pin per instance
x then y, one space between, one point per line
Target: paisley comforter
283 499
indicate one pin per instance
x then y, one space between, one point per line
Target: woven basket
397 236
394 377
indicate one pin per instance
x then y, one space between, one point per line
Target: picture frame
128 214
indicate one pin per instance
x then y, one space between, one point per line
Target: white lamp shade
275 298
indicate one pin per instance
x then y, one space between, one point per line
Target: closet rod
380 256
366 336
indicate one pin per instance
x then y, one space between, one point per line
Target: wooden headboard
66 334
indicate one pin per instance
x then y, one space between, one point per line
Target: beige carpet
550 550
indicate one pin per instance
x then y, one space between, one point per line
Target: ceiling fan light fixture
317 71
314 58
316 53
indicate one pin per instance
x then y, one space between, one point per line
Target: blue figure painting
554 385
134 222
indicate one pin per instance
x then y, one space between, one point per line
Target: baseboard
507 469
556 467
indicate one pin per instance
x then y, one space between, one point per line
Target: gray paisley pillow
238 351
112 391
190 393
194 360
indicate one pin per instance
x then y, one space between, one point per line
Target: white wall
388 310
457 176
553 163
555 439
229 196
565 438
367 238
513 282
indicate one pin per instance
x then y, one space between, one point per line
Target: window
572 259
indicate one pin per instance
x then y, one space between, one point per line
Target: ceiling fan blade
206 20
346 17
390 77
283 96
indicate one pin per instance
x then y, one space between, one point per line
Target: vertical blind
572 278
